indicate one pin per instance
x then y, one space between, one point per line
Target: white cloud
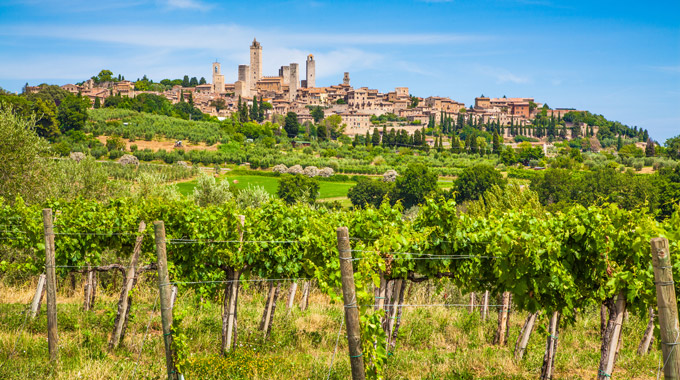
502 75
187 4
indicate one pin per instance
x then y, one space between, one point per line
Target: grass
434 342
270 184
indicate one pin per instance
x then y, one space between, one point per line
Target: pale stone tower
294 81
284 72
311 72
345 79
243 85
217 78
255 63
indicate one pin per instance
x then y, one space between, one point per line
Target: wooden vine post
124 300
51 277
351 307
501 331
39 291
165 290
667 308
229 321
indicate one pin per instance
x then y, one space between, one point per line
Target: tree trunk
305 296
550 347
603 319
485 305
499 339
389 301
610 340
524 335
291 297
648 336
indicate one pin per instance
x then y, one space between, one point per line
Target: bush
209 192
475 180
298 188
115 154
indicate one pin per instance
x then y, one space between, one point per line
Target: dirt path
158 145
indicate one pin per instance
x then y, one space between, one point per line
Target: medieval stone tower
255 63
294 81
345 79
311 72
217 78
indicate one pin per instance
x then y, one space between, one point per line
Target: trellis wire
230 281
141 349
335 350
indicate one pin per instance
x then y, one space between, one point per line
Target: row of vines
558 264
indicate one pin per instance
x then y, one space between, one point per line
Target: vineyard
558 268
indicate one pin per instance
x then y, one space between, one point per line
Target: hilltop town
358 107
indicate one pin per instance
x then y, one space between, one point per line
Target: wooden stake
124 299
472 303
351 308
305 296
51 279
291 297
173 296
499 339
229 337
667 307
551 347
39 290
524 335
610 342
646 342
164 288
485 305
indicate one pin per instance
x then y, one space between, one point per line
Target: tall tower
217 78
294 81
255 63
284 72
345 79
311 72
242 86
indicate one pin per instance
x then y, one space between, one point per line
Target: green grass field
270 184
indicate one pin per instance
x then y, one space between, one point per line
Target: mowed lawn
270 184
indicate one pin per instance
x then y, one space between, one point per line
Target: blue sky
620 59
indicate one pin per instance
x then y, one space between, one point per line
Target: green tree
650 148
619 143
291 125
103 76
375 140
97 103
202 81
673 147
23 169
414 185
317 114
185 81
72 113
368 192
496 143
219 104
254 110
45 118
193 82
321 133
295 188
210 192
475 180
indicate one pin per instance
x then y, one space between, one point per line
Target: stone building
310 81
255 63
217 78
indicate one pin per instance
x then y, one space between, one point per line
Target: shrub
208 191
298 188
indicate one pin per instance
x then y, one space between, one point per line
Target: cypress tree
97 102
619 143
254 113
650 148
367 138
496 143
376 137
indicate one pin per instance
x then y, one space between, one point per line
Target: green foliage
414 185
23 167
475 180
673 147
291 125
295 188
368 192
72 113
209 192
